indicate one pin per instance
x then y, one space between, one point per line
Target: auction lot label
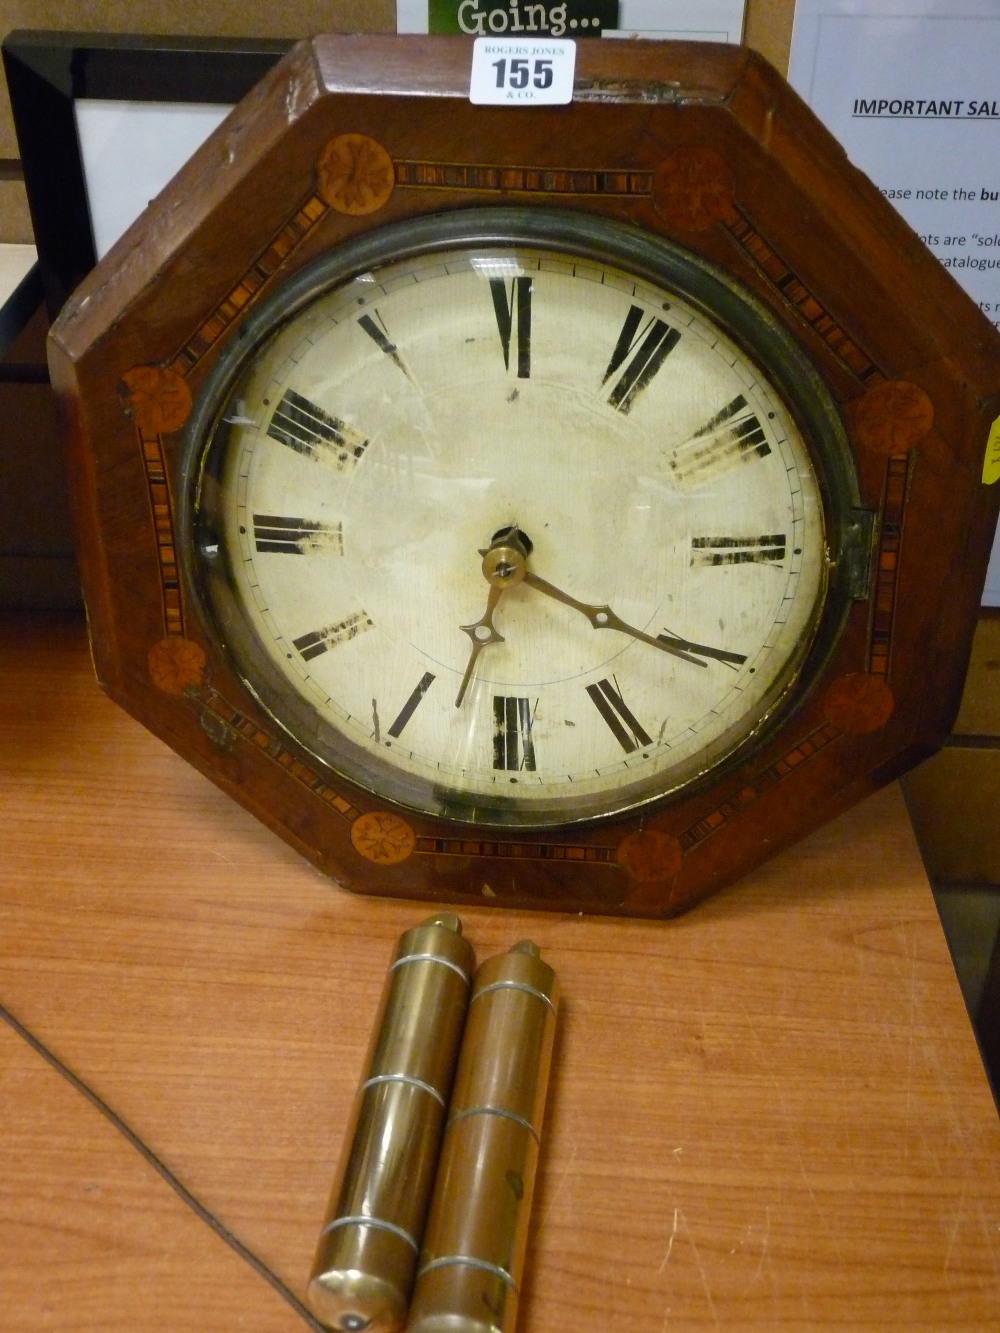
522 72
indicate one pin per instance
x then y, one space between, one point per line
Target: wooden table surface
769 1114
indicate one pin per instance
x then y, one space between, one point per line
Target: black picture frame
47 72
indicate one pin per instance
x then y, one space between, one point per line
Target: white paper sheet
911 88
130 150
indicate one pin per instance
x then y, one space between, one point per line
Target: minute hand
602 617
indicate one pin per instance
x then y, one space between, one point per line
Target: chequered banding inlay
796 293
769 777
159 500
525 180
887 567
516 851
248 730
264 267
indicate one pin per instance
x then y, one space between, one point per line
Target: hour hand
504 565
602 617
482 633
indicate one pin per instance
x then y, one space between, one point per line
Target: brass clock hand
482 633
703 649
504 564
602 617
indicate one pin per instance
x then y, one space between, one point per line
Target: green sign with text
522 18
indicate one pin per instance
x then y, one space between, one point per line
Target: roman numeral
769 549
505 307
379 335
513 746
410 707
733 436
627 730
296 536
648 346
322 640
306 428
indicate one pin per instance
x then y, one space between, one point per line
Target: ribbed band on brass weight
363 1271
474 1245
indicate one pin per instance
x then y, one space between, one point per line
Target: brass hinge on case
858 554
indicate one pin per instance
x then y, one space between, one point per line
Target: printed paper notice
911 88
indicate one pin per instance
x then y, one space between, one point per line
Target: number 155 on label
522 73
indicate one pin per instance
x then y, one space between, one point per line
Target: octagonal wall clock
560 507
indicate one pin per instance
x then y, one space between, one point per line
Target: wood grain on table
767 1114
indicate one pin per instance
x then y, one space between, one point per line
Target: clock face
503 524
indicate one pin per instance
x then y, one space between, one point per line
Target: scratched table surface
769 1114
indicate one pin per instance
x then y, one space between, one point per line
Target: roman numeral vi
506 307
513 745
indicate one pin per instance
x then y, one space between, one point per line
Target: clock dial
511 532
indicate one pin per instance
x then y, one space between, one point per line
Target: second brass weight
473 1251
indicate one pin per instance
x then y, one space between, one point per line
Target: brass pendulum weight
476 1236
366 1258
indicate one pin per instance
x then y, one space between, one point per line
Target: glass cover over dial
506 529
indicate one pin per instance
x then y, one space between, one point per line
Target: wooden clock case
705 145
